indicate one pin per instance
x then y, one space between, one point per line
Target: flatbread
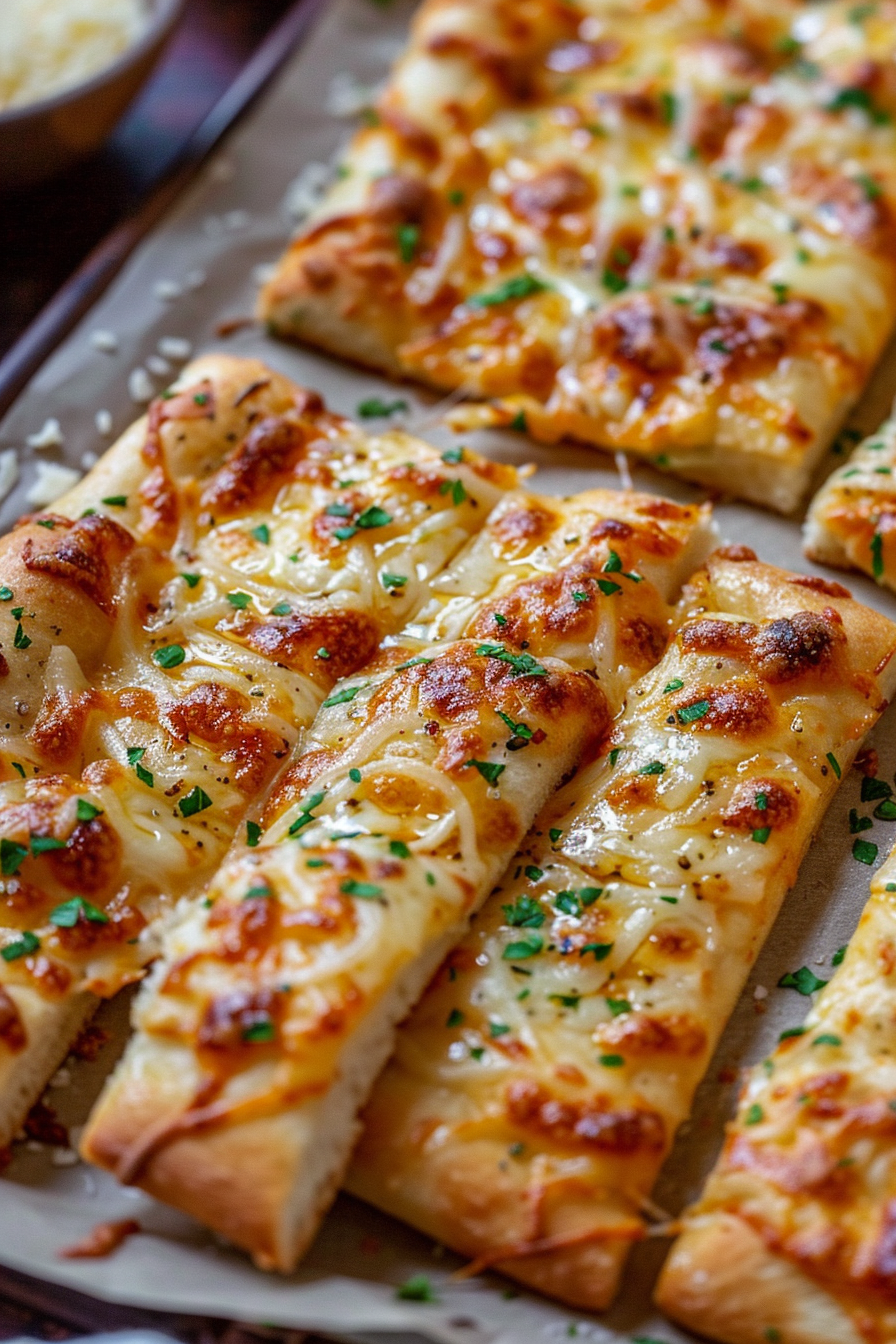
537 1088
654 226
275 1002
852 520
792 1237
167 631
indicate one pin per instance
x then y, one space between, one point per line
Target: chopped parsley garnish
257 1033
791 1033
366 891
374 517
281 609
355 775
323 653
260 890
490 771
754 1114
520 730
554 834
608 587
6 594
239 600
863 851
455 489
191 580
418 1287
413 662
668 107
618 1006
600 950
455 1018
197 800
568 903
22 947
858 98
519 423
857 823
116 501
262 533
408 238
613 281
834 764
654 768
827 1038
253 833
872 189
803 981
341 697
42 844
305 817
838 956
86 811
66 916
338 510
877 555
611 1061
453 455
135 756
518 287
393 581
496 1029
20 639
456 196
886 811
169 655
675 684
12 856
614 755
524 948
399 849
566 1000
524 913
761 835
521 664
533 874
691 713
374 408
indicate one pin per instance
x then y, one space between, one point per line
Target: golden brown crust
498 229
576 1019
722 1281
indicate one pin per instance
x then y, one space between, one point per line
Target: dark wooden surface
46 234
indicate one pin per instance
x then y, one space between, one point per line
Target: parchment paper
229 223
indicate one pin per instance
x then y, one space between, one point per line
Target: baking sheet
199 267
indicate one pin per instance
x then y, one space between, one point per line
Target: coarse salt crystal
52 480
106 341
347 96
760 992
61 1078
64 1157
48 437
103 422
157 365
175 347
306 190
167 289
9 471
140 387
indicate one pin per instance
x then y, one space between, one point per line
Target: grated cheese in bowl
47 46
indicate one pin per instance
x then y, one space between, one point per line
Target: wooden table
46 234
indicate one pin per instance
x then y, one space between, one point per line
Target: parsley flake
66 916
197 800
518 287
803 981
490 771
365 891
169 655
